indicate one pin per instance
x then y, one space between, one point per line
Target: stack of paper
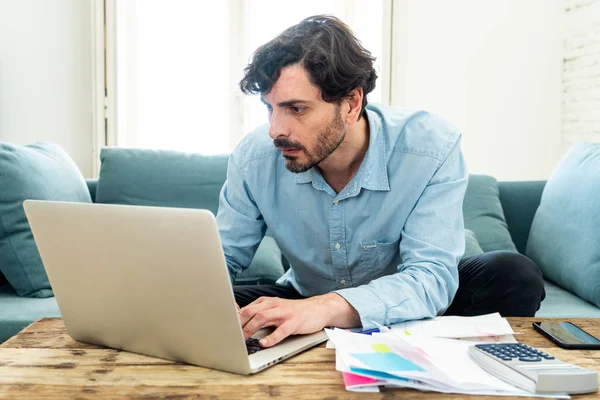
424 355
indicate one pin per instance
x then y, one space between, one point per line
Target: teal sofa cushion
472 247
560 303
177 179
41 171
160 178
565 234
18 312
484 215
265 268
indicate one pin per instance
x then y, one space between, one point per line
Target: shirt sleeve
432 242
240 222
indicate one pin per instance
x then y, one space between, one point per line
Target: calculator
533 370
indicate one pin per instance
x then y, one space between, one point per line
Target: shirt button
343 281
335 202
337 246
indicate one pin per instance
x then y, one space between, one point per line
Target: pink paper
351 380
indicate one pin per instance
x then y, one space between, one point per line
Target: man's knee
516 269
519 278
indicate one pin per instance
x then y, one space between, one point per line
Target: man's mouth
289 152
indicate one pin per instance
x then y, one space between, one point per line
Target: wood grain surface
42 361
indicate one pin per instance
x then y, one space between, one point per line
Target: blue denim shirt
389 242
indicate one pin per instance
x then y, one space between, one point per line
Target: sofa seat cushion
18 312
483 214
166 178
41 171
559 303
565 233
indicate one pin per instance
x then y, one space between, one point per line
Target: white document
443 365
490 339
455 327
452 358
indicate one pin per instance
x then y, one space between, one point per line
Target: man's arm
241 226
431 246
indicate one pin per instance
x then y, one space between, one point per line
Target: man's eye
297 110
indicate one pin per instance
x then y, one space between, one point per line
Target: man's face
306 128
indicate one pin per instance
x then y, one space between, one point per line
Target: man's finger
283 331
248 312
270 317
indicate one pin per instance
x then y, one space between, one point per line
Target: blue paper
385 362
376 374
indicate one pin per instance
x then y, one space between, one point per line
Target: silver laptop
150 280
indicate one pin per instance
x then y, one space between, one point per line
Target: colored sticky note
385 362
381 348
406 332
351 379
376 374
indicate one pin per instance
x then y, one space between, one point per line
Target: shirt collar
304 177
372 173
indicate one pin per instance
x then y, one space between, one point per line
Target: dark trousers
498 281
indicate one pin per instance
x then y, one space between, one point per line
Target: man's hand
292 317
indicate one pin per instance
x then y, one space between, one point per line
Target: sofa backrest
519 200
92 184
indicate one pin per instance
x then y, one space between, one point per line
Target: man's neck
341 166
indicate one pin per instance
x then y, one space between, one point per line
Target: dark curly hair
325 46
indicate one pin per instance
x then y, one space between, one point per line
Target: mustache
285 143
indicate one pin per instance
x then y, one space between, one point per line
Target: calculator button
530 359
548 357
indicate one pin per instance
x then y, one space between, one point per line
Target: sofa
132 176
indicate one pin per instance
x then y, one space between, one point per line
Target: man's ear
354 101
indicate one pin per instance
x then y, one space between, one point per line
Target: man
364 202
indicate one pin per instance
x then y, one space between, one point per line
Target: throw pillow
565 233
41 171
266 266
472 247
483 214
177 179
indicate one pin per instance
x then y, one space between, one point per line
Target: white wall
493 68
581 83
45 75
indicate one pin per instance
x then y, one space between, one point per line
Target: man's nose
278 127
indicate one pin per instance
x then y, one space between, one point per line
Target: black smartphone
567 335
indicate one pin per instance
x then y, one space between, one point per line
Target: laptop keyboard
252 345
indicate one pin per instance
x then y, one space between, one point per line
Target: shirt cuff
368 305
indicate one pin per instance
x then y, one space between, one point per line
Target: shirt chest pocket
380 255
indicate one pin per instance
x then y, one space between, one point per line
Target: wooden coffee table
42 361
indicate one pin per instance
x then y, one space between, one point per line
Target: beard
327 142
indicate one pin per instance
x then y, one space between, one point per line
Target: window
178 64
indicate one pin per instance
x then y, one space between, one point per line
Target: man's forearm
338 311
